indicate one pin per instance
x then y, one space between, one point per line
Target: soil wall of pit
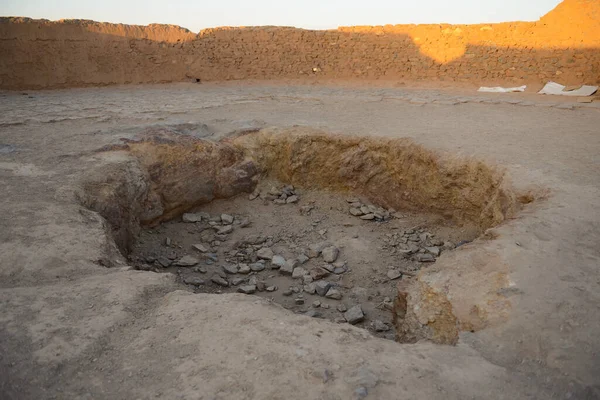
564 45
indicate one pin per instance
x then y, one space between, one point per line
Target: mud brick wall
563 46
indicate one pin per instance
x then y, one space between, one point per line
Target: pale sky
312 14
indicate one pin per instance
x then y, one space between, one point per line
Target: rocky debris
285 195
271 288
330 254
310 288
434 250
265 253
292 199
254 195
299 272
237 281
394 274
334 294
314 250
277 262
380 326
219 281
247 289
354 315
244 269
192 280
231 269
194 217
368 212
288 267
425 257
322 287
325 306
187 261
319 273
257 266
341 308
227 219
225 230
416 244
164 262
316 304
302 258
201 248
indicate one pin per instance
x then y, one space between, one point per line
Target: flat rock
322 287
244 269
271 288
187 261
434 250
380 326
257 267
368 217
219 281
319 273
288 292
302 258
194 217
355 211
225 230
201 248
354 315
192 280
334 294
277 262
299 272
265 253
316 304
237 281
292 199
342 308
288 267
425 257
227 219
247 289
394 274
231 269
330 254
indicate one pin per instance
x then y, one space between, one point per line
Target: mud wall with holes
564 46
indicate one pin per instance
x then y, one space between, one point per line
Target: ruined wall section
564 46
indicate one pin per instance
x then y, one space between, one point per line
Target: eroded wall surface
563 46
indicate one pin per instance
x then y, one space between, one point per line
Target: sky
311 14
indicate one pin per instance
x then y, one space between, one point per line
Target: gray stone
271 288
288 267
322 287
244 223
394 274
279 201
425 257
356 212
361 393
312 313
237 281
192 280
307 279
225 230
302 258
244 269
299 300
352 200
314 250
231 269
194 217
201 248
247 289
316 304
368 217
187 261
288 292
310 288
277 262
292 199
299 272
219 281
354 315
365 209
330 268
334 294
167 242
433 250
379 326
339 271
342 308
330 254
257 267
265 254
164 262
227 219
261 286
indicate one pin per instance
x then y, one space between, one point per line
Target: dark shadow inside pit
354 216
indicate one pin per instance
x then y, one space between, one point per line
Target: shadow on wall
564 46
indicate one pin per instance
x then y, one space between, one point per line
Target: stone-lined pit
322 224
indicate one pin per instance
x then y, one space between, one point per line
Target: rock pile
416 244
284 195
368 212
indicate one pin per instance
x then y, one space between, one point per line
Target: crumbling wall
564 45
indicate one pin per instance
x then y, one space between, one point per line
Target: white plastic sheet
499 89
558 89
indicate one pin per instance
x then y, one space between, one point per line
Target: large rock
322 287
354 315
187 261
330 254
265 253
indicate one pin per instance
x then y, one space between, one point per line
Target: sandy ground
70 328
